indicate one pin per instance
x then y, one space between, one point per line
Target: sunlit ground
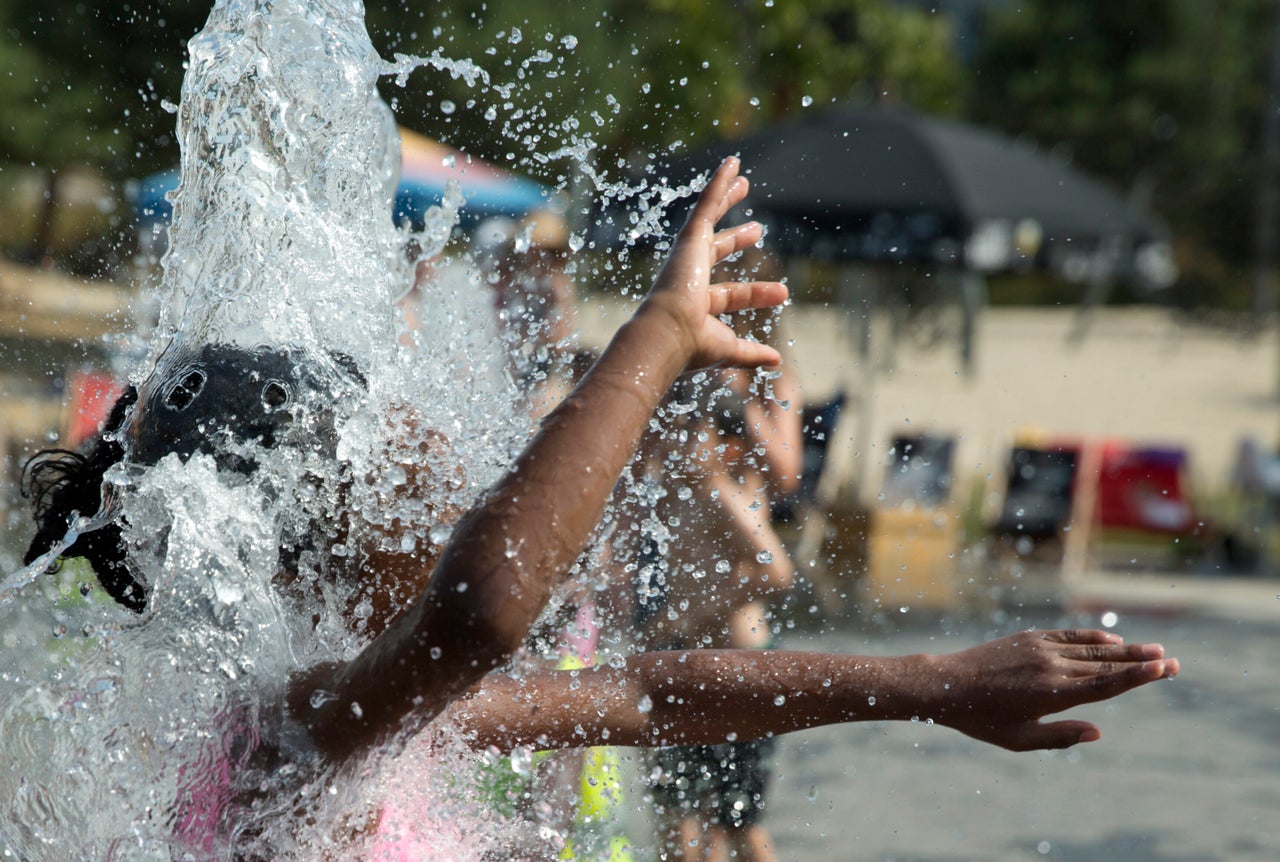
1185 771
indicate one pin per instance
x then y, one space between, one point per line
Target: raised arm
496 573
996 692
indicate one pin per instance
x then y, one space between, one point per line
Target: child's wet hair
63 484
221 396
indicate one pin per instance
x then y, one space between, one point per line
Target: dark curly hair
193 405
64 484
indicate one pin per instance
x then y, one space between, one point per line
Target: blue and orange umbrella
426 166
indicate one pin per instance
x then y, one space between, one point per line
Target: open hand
999 691
683 290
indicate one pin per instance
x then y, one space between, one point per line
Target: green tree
86 81
83 85
1164 97
112 62
645 75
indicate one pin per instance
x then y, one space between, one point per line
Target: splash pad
162 735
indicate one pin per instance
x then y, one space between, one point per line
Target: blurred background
1033 252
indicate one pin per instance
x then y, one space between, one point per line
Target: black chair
1038 493
920 471
818 424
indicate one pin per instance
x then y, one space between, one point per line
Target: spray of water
163 736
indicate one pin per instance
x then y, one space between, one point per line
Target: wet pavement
1187 770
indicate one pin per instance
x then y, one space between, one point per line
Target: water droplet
813 792
904 609
806 101
764 557
320 697
569 42
435 653
356 710
645 706
723 567
780 700
871 701
1043 848
522 761
448 106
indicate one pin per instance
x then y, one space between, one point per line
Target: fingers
1112 653
735 239
735 352
1081 636
1111 680
737 296
751 354
1107 659
1055 734
723 192
737 194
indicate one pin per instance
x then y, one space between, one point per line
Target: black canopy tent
883 186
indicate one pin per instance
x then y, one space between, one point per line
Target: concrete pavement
1188 770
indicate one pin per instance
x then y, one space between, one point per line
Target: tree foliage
1164 97
85 81
643 75
91 80
618 80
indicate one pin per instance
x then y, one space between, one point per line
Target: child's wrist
665 331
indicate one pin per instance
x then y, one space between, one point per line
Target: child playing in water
469 611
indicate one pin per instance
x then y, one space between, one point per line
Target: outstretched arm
996 692
496 573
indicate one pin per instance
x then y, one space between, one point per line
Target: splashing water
163 736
